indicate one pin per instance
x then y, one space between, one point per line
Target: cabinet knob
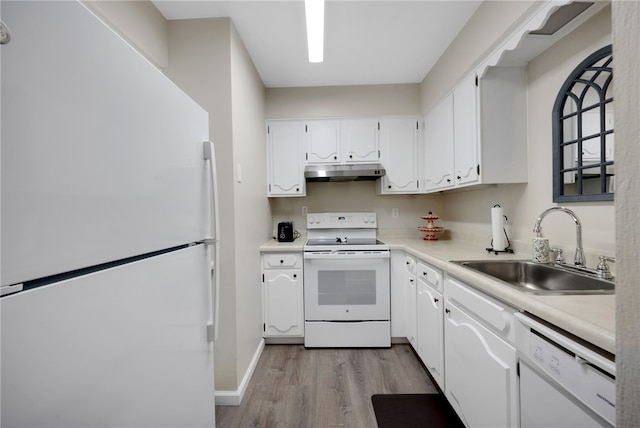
297 189
295 275
459 178
389 186
350 156
448 180
281 261
335 158
447 310
435 300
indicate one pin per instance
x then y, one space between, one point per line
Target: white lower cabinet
480 365
282 295
410 301
398 293
430 307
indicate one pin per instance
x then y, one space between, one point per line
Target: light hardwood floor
297 387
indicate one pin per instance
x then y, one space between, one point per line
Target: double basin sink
536 278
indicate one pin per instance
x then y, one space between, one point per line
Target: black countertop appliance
285 231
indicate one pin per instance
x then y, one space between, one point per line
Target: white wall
626 35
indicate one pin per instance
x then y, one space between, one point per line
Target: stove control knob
317 219
371 219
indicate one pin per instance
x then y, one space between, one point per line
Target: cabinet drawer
281 260
410 263
496 315
431 276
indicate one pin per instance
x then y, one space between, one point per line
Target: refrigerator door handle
213 240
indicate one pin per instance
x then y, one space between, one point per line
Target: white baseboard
234 398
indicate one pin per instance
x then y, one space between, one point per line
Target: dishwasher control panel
570 366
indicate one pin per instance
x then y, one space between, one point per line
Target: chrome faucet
578 260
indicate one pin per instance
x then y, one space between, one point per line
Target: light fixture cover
314 11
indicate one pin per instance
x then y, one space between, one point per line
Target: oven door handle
343 254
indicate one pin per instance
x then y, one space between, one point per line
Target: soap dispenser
540 249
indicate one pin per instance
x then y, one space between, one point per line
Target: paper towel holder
505 250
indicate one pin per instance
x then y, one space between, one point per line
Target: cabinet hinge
417 125
306 156
378 154
262 277
268 129
518 369
264 327
476 80
269 188
305 128
478 169
378 126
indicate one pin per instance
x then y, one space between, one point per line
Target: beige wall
140 23
251 207
343 101
626 35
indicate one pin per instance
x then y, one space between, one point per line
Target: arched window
583 132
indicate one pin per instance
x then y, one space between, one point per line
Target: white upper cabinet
477 134
285 158
359 140
438 147
341 141
399 155
465 132
323 141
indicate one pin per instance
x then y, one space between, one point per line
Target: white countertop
590 317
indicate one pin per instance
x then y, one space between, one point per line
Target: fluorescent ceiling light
314 10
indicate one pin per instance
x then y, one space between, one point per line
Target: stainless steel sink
536 278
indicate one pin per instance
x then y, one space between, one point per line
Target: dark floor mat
414 410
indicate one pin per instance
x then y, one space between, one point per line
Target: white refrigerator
108 226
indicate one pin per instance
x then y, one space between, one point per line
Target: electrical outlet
395 213
305 210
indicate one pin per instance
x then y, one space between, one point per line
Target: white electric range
346 282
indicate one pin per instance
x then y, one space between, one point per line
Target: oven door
347 286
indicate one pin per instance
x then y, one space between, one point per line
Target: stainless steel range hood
354 172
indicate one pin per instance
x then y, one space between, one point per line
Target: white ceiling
366 42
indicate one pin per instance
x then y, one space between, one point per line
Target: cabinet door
282 300
359 140
285 148
465 125
399 155
431 330
438 143
480 372
410 308
323 138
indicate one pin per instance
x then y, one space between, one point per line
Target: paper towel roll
497 229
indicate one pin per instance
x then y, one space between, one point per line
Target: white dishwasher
562 383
